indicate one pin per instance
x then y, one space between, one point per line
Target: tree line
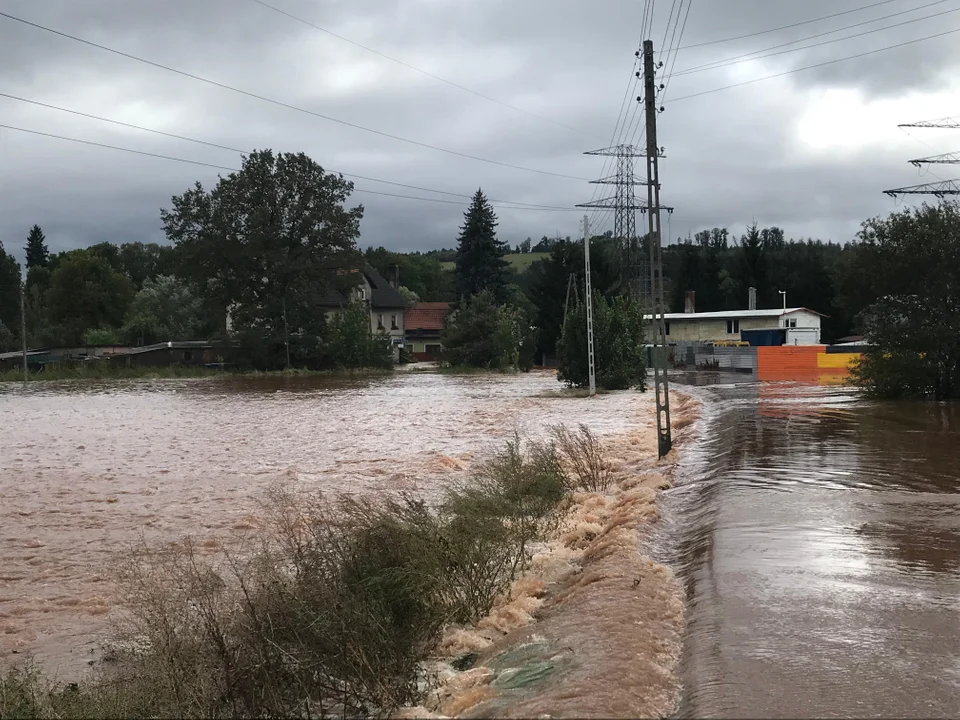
268 246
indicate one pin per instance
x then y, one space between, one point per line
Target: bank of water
817 535
87 469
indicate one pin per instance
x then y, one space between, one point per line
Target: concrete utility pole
784 293
664 437
589 291
23 326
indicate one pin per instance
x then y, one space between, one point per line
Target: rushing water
818 537
86 468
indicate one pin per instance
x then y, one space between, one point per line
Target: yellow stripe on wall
836 360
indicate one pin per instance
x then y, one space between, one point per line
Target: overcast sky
810 151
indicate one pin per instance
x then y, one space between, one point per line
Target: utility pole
286 332
23 325
664 437
937 189
591 369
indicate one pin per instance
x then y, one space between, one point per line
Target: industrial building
787 326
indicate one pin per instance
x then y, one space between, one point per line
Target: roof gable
427 316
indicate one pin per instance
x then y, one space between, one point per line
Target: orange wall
804 363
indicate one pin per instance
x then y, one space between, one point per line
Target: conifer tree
36 248
480 262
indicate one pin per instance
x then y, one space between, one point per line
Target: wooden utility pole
659 354
23 326
589 300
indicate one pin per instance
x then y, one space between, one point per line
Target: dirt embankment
594 627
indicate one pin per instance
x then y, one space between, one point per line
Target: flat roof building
795 326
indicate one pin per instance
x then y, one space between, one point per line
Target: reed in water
329 609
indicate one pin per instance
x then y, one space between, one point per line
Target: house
787 326
424 322
387 306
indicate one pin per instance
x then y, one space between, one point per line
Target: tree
480 263
619 351
36 248
526 245
483 334
144 261
550 282
269 241
164 309
351 344
912 262
9 292
85 293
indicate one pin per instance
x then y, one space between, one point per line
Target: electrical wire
500 203
817 65
420 70
280 103
231 149
746 58
787 27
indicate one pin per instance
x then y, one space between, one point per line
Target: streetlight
784 293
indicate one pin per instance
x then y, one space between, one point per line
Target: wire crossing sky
790 116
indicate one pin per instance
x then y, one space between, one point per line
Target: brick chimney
689 302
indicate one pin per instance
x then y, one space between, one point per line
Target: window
793 322
362 293
666 327
393 323
380 322
733 327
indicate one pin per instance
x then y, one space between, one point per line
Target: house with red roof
424 322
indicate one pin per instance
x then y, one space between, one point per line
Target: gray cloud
733 156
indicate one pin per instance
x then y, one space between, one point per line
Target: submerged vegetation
330 608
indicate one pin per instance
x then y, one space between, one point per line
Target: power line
280 103
817 65
747 57
417 69
502 203
787 27
233 149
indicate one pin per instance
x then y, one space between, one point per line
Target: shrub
492 518
619 351
351 343
583 455
482 334
330 612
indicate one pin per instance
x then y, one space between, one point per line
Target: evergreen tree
480 262
9 299
36 248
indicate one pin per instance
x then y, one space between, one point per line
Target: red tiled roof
427 316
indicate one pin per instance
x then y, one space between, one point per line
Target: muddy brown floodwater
86 468
818 537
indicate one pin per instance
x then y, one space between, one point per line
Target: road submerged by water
818 538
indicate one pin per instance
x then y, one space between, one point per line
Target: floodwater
86 469
818 538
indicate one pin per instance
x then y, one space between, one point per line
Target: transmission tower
938 189
634 268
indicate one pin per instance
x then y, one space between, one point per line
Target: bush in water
329 612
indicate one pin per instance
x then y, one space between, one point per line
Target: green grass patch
520 262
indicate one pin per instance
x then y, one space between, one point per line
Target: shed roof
427 316
736 314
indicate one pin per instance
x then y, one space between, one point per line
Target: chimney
752 301
689 303
396 277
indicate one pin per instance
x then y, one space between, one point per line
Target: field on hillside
518 261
